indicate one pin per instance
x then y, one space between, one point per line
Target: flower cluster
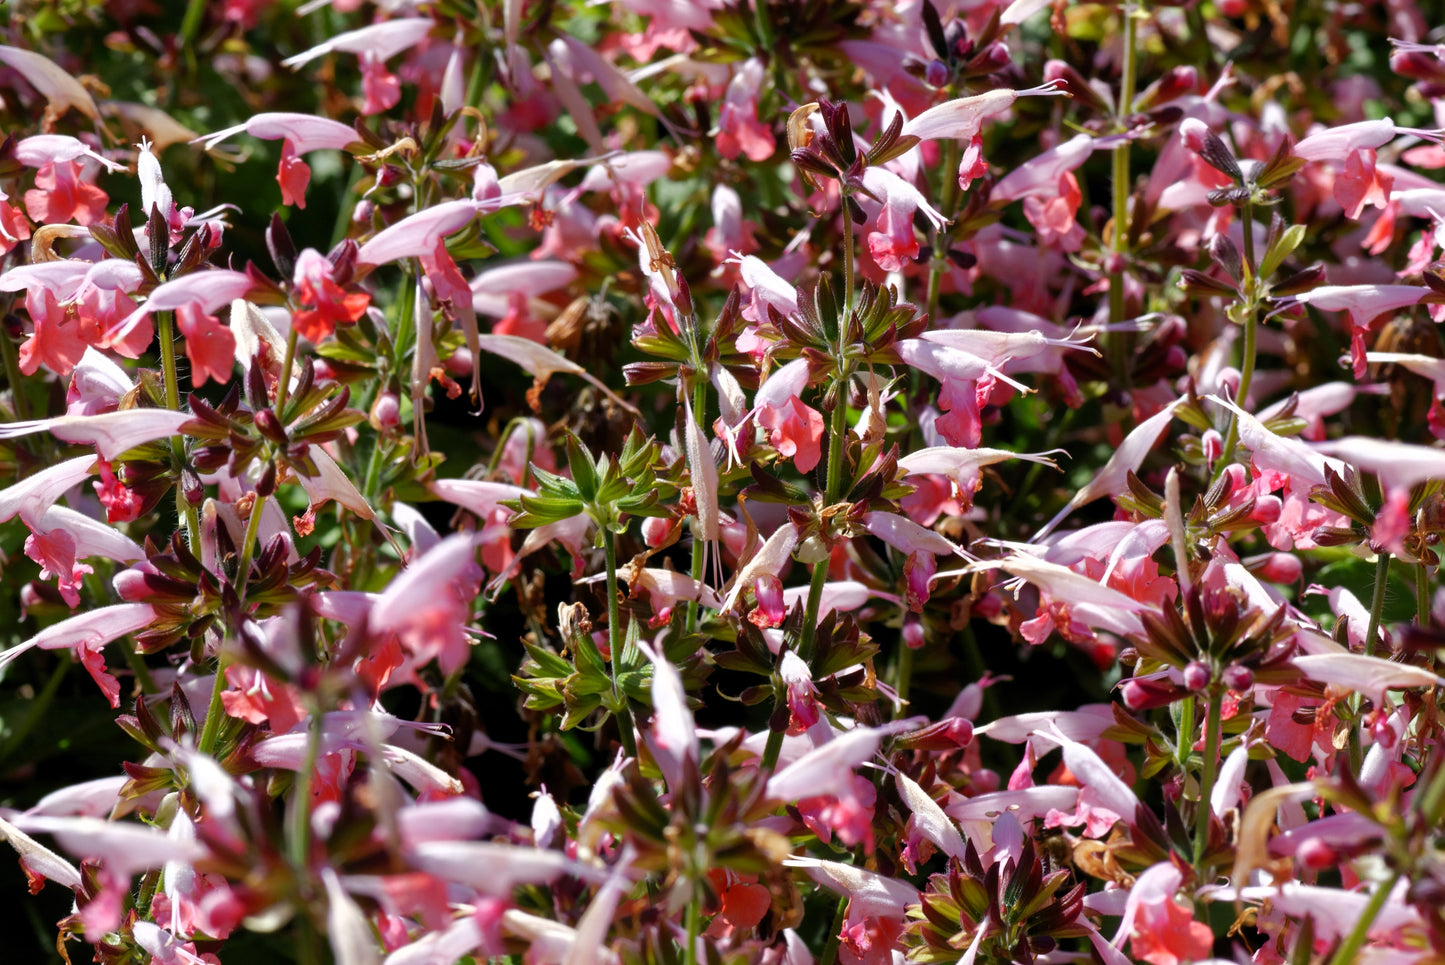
770 482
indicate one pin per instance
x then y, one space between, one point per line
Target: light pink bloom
381 40
112 433
1161 930
739 130
300 134
59 88
962 118
32 496
428 606
1364 303
894 242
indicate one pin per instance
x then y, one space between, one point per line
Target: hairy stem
938 264
1251 323
1377 602
1355 940
1209 773
904 679
301 805
615 638
1422 594
12 373
694 925
166 326
284 385
191 22
699 545
1119 242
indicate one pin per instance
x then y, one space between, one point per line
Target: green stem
943 236
1377 602
847 265
1347 953
1422 594
699 545
211 730
215 712
904 679
12 372
615 640
301 806
166 325
1119 243
1186 732
1251 324
1210 772
191 22
284 385
830 951
694 925
36 709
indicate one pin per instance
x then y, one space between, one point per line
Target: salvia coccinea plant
732 481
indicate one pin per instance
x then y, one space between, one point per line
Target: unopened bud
385 412
1281 568
935 74
1315 855
1266 510
812 550
270 426
1202 141
1213 445
1143 694
191 487
913 634
1238 678
1197 675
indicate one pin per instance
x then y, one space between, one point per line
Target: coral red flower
293 175
209 345
795 430
60 196
323 302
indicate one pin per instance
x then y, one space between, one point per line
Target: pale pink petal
59 88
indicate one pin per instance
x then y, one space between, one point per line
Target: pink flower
209 345
59 196
325 304
13 228
56 342
795 430
894 242
739 130
379 86
293 175
1164 929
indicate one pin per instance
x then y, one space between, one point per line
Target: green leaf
1281 250
584 471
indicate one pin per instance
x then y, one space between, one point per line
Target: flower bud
1280 567
1315 855
270 426
935 74
1238 678
812 550
913 635
1197 136
1197 675
655 530
1213 445
1143 694
1266 510
191 487
385 412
